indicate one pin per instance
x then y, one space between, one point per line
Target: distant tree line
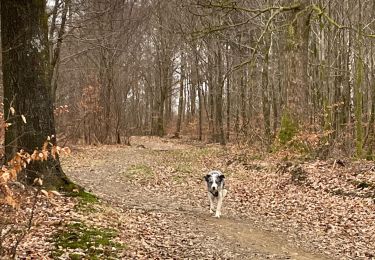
271 73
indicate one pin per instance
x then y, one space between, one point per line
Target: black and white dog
216 190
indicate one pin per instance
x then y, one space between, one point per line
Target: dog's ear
207 177
221 177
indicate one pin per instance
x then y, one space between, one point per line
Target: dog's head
215 180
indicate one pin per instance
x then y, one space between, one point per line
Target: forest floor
153 204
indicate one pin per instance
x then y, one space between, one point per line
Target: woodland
114 110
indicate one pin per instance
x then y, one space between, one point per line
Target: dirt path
160 186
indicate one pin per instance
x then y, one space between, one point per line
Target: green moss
86 201
69 187
289 139
85 197
95 243
288 129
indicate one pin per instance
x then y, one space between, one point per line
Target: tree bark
55 52
27 87
211 96
266 93
228 92
297 58
220 137
358 95
200 94
180 98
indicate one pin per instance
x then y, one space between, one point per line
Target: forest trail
161 187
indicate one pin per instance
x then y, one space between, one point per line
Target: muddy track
101 171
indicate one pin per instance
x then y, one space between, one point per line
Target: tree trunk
211 95
370 138
200 112
55 52
265 93
244 121
228 86
200 94
297 59
193 98
180 99
27 87
219 100
358 95
295 106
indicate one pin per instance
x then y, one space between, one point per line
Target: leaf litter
154 197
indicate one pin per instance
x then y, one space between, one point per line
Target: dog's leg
220 203
211 198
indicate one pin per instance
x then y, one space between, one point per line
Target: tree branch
233 6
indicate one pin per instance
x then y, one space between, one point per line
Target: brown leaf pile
49 216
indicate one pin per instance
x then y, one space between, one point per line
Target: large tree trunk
27 86
297 59
295 106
